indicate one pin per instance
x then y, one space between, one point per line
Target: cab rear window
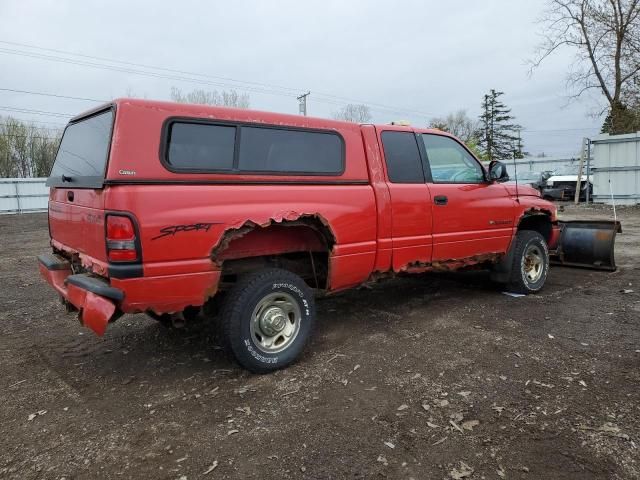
228 148
82 156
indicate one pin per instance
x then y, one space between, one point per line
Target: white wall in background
23 195
616 158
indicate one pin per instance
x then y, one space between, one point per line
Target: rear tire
530 263
267 319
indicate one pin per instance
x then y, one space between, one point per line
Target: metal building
616 168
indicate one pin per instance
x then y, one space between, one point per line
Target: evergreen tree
499 138
621 119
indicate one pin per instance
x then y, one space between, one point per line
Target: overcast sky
409 60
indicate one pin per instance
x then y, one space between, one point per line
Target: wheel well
539 222
312 267
301 246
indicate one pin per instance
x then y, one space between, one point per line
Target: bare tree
7 165
458 124
352 112
605 35
26 150
43 150
224 98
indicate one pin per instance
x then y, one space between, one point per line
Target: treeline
26 150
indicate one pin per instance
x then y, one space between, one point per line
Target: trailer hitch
587 244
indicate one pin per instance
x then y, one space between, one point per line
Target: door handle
70 196
440 199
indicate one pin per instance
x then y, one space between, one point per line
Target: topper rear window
82 156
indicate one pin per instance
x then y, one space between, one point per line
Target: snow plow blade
587 244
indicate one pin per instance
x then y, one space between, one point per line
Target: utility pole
588 169
303 103
583 154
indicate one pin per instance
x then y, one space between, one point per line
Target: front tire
267 319
530 262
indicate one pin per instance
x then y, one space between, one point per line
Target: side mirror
498 172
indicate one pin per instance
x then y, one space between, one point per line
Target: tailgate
76 200
76 221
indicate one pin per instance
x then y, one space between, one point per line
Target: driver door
471 216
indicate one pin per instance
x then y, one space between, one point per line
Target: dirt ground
434 376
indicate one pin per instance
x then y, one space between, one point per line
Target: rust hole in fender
314 221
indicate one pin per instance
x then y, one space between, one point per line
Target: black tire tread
516 283
236 299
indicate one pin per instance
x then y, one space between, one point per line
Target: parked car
563 187
535 180
168 209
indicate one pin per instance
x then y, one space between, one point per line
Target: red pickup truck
165 208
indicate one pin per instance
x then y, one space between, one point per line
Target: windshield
82 157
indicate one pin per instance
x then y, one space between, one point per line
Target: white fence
616 168
566 165
23 195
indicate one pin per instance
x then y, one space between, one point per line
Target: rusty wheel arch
536 219
303 242
315 221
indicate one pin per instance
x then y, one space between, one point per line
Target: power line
549 136
290 90
27 136
556 131
138 72
36 112
153 67
374 106
582 129
250 86
52 95
43 122
260 87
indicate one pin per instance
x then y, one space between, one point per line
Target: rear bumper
100 301
94 299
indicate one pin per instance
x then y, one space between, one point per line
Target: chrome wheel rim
275 322
533 263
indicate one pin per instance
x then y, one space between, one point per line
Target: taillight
121 239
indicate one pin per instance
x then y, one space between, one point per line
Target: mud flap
587 244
